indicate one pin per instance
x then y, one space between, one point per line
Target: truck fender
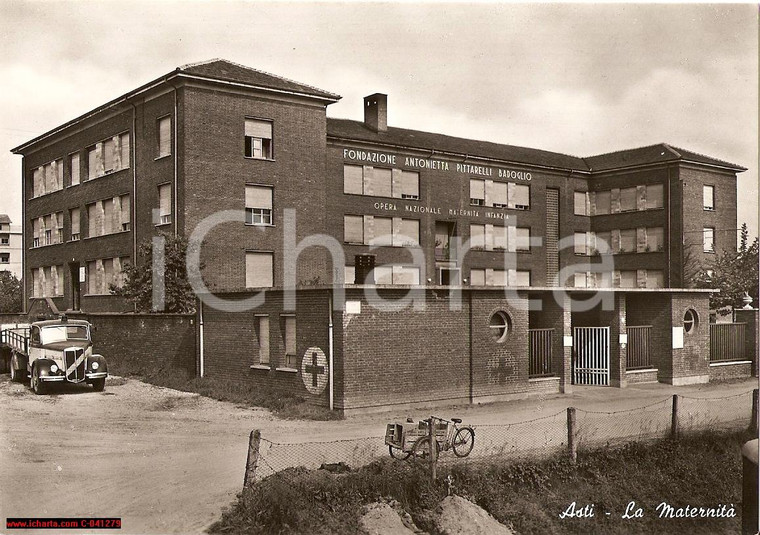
102 364
43 367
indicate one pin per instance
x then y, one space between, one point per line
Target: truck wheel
98 385
38 386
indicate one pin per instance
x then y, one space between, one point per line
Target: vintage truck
53 351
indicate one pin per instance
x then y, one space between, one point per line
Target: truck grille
75 363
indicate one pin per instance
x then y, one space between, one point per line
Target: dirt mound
383 519
457 516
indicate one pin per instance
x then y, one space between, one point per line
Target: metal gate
591 356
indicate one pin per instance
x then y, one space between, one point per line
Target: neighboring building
216 136
11 246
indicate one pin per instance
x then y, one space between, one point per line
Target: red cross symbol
313 369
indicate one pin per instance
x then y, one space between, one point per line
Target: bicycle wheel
464 441
398 453
421 448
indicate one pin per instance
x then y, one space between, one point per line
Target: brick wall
653 309
727 372
691 364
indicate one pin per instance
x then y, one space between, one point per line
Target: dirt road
168 462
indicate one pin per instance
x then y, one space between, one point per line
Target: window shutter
126 212
522 195
75 221
579 203
654 196
124 148
165 136
263 339
38 182
92 163
109 150
353 229
477 277
74 169
522 278
36 227
58 174
477 236
489 193
353 179
258 270
108 216
255 128
165 199
382 182
410 230
499 194
488 237
477 189
410 184
383 275
382 233
602 202
258 197
500 239
615 201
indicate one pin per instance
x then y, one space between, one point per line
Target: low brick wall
141 343
633 377
725 371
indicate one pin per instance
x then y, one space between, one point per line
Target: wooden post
253 459
753 424
674 417
433 449
572 446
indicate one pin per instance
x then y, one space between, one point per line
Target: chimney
376 112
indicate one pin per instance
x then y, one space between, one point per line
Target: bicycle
409 439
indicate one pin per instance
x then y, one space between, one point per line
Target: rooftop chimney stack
376 112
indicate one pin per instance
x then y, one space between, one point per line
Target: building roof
653 154
659 153
4 219
221 69
356 130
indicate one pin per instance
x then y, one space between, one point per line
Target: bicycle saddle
456 420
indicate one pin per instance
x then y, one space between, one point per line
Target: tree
138 278
733 273
10 293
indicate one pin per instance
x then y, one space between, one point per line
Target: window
382 182
36 225
654 194
628 279
477 192
690 320
602 202
109 160
580 243
165 204
258 205
58 227
627 199
5 258
258 139
108 216
603 243
708 239
580 280
522 239
95 219
383 232
708 197
47 226
74 168
353 179
262 333
500 325
478 237
5 239
477 277
353 229
95 274
628 241
259 269
125 213
164 136
499 195
655 278
655 239
349 274
580 198
290 342
499 238
522 278
405 275
410 185
408 233
92 163
521 197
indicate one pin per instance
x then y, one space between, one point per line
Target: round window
500 325
690 320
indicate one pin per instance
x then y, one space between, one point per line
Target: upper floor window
47 178
580 203
477 192
108 156
499 194
164 134
708 197
5 258
654 193
708 239
258 139
628 199
380 182
74 169
258 205
602 200
259 269
75 223
381 231
164 204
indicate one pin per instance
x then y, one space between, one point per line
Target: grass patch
283 404
699 470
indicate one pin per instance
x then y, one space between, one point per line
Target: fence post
674 417
253 458
433 449
753 423
572 446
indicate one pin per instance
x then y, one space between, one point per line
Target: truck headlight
95 365
54 369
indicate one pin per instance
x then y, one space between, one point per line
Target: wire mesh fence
535 438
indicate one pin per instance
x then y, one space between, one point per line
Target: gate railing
591 356
727 341
638 350
540 352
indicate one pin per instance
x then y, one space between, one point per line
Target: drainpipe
200 337
330 348
174 152
24 278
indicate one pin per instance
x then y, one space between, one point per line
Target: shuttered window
477 236
126 213
258 205
579 203
628 199
258 139
708 197
499 238
628 241
164 131
382 182
259 269
654 196
109 155
708 239
74 166
353 229
602 202
353 179
655 239
290 342
522 239
522 278
383 235
165 203
477 277
262 333
410 185
408 233
75 224
521 199
477 192
499 197
92 163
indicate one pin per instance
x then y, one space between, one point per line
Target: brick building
11 246
426 211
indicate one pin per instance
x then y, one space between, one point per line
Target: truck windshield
62 333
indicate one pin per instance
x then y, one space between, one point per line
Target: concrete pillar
750 317
618 350
564 332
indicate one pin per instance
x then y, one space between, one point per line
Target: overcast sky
578 79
